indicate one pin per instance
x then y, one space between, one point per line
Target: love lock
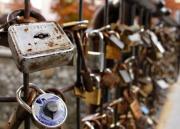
38 46
48 110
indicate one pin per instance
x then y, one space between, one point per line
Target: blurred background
54 10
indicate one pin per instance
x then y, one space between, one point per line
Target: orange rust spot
34 65
26 29
50 44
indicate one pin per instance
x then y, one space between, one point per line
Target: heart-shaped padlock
48 110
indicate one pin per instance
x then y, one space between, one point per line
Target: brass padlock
134 104
93 97
113 45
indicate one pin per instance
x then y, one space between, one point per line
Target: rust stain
29 49
50 44
34 65
56 30
26 29
58 37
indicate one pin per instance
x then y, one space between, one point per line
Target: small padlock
93 97
48 110
38 46
88 125
20 113
95 51
110 118
124 74
157 43
133 104
113 45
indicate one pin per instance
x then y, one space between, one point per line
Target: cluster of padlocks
122 71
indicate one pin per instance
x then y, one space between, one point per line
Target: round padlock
48 110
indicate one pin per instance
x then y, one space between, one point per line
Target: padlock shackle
21 101
20 12
89 125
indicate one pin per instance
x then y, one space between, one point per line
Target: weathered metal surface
37 46
20 113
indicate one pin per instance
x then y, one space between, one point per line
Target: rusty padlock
38 46
20 113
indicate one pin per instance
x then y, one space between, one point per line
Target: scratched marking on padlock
37 46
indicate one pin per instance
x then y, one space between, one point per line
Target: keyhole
41 35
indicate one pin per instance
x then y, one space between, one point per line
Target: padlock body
40 116
38 46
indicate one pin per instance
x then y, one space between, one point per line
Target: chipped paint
33 53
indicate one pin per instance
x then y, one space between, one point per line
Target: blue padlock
48 110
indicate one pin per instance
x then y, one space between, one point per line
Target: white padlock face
37 46
49 110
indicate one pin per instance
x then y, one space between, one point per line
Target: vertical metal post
27 9
78 108
141 15
26 75
120 12
147 19
106 12
26 92
133 13
123 11
106 21
80 10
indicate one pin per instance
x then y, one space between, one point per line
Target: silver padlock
48 110
95 58
38 46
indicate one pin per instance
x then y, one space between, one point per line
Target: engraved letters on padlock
38 46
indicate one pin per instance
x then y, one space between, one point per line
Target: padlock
157 43
48 110
110 78
113 45
20 113
134 104
110 117
145 38
146 87
162 84
38 46
124 74
92 124
119 126
88 125
93 97
95 51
